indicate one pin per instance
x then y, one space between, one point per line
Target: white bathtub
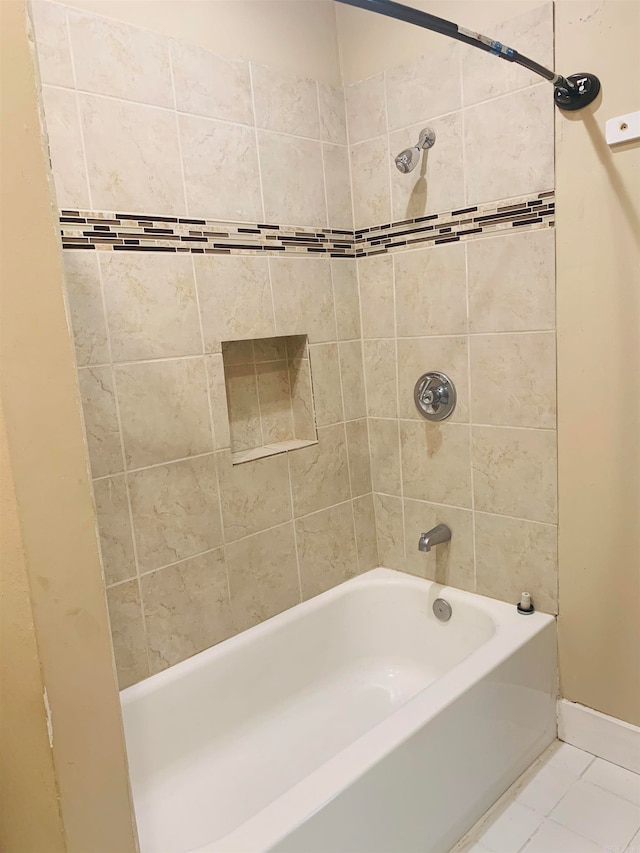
353 722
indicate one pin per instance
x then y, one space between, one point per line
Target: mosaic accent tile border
136 232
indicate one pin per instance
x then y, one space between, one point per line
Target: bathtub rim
310 794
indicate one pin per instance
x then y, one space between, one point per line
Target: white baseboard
606 737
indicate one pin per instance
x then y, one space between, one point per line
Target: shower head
408 159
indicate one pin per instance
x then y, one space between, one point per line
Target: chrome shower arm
571 93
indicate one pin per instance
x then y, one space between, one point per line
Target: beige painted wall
598 279
28 784
243 29
53 558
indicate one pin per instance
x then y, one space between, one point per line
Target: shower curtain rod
570 93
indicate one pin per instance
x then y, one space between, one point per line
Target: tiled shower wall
195 549
479 308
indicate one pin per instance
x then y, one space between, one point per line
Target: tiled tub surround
480 310
140 122
484 313
493 123
195 548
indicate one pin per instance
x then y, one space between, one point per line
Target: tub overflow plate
442 609
435 396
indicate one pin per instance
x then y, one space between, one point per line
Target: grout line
388 142
178 135
78 113
207 352
367 417
255 135
400 463
293 524
346 446
468 509
174 109
322 160
213 432
291 520
125 472
470 396
449 113
257 387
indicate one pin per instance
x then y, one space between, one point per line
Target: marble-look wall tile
65 147
292 179
438 183
512 282
274 397
304 419
380 366
338 183
320 473
221 174
263 575
326 549
164 410
52 43
235 298
303 298
210 85
418 355
390 531
370 176
366 108
175 509
359 457
513 379
366 542
425 88
138 168
521 150
347 301
450 563
385 456
333 121
127 633
435 462
218 401
327 388
285 103
515 472
100 420
84 295
151 305
187 609
375 276
352 373
113 58
515 555
114 526
242 406
270 349
431 291
237 352
254 496
532 32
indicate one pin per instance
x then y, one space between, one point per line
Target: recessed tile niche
269 396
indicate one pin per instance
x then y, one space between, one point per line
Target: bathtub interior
219 737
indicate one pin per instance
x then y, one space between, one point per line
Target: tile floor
568 801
